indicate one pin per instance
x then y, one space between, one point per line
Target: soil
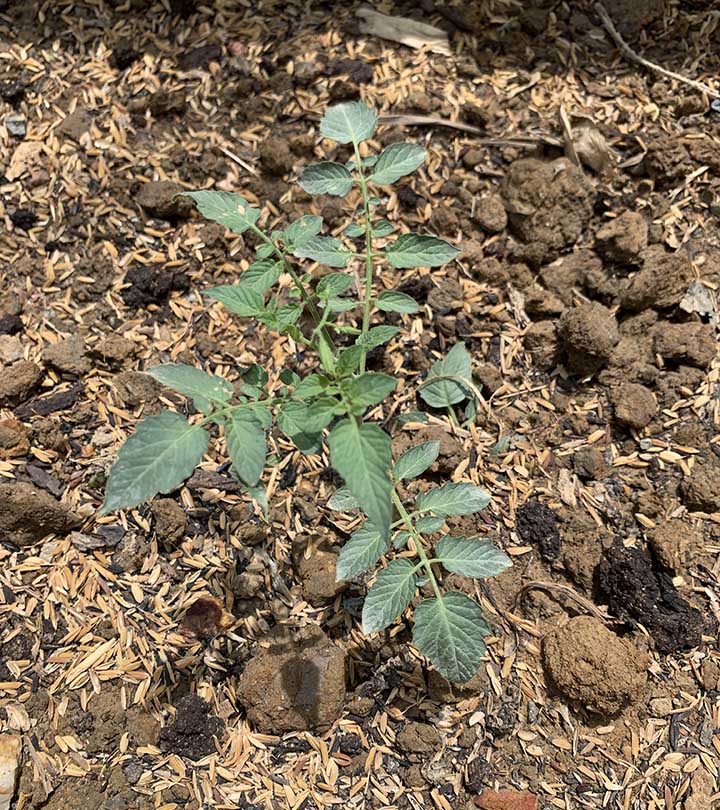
191 653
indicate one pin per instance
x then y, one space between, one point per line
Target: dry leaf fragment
700 299
584 143
10 750
408 32
25 157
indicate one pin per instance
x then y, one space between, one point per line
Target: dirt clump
113 350
276 157
537 524
548 204
445 296
690 343
193 731
316 572
28 514
506 800
541 343
671 543
170 520
622 239
588 334
68 356
159 199
13 439
148 286
667 160
582 547
295 683
570 272
661 283
418 738
636 591
589 463
75 125
700 490
18 382
135 388
490 214
593 667
634 405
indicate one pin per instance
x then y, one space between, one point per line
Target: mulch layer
585 294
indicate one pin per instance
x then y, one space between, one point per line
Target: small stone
418 738
593 667
68 356
75 125
170 520
588 333
28 514
490 214
18 382
296 683
16 124
160 199
661 707
622 239
634 405
13 439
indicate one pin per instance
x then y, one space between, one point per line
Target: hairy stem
307 300
367 295
424 559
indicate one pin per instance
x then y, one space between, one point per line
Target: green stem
307 300
367 295
424 559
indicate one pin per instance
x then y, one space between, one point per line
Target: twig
634 57
555 589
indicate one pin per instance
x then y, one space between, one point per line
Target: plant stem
307 300
424 560
367 295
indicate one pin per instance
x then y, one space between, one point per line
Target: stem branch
367 295
424 559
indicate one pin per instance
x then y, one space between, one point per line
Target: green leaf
362 550
311 386
264 250
471 557
361 453
246 445
416 460
298 232
414 250
383 228
261 275
158 457
390 594
443 393
353 231
401 539
333 284
453 499
229 209
242 300
324 249
396 161
326 178
295 416
449 631
342 500
369 389
206 390
429 524
349 360
308 443
289 377
377 336
340 304
392 301
412 416
351 122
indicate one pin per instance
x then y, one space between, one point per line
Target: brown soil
196 629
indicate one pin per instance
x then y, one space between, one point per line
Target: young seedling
448 627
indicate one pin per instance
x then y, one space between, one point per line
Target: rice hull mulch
188 654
